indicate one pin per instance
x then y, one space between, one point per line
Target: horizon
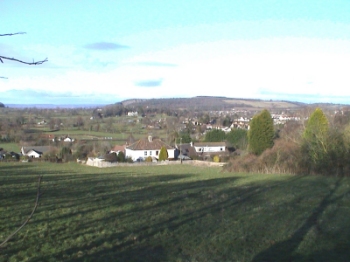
95 105
100 51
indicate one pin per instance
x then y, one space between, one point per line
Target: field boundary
103 164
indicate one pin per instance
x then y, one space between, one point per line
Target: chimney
149 138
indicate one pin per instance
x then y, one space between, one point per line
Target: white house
132 113
148 147
209 147
68 139
35 151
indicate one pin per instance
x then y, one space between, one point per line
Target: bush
129 160
244 164
112 157
121 157
66 154
216 159
149 159
283 157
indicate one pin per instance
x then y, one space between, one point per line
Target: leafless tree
2 58
38 195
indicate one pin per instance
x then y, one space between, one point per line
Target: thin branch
11 34
23 62
3 77
38 194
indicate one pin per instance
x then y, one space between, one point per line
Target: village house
201 150
144 148
241 123
280 119
35 151
133 113
209 147
68 139
118 148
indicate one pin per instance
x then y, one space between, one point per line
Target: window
150 153
157 153
145 153
220 148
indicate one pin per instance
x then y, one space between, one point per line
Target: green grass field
14 147
171 213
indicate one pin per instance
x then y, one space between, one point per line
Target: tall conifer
261 132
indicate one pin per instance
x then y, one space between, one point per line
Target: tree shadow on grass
287 250
150 217
141 245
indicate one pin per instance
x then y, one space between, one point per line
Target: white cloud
236 68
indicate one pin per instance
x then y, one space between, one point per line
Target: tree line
318 145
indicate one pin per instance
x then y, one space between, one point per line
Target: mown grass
171 213
14 147
83 134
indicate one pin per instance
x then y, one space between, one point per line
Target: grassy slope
172 213
10 147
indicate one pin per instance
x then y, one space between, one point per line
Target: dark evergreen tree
237 138
215 135
184 138
227 121
261 132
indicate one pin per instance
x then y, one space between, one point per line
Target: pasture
171 213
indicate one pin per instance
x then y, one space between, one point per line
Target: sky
102 52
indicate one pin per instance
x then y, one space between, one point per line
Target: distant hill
131 101
213 103
2 105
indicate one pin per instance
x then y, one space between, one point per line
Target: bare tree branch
3 77
23 62
38 194
18 60
18 33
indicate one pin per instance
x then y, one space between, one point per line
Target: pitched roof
118 148
130 139
149 144
187 149
38 149
209 144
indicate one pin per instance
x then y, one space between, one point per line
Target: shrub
66 154
283 157
129 160
163 154
121 157
112 157
216 159
149 159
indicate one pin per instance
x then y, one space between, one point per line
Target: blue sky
107 51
